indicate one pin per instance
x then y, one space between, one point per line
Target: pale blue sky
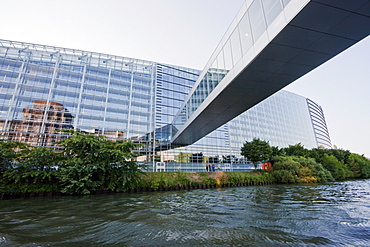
185 33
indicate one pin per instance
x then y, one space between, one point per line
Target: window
257 19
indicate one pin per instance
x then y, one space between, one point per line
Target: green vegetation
256 150
84 164
81 164
296 164
293 169
176 180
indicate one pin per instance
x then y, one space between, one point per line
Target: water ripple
335 214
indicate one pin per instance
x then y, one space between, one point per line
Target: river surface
334 214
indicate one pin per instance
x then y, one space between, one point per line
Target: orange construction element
266 166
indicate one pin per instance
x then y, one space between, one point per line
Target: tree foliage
293 169
10 152
34 171
296 150
81 164
341 164
336 167
285 170
276 151
91 162
256 150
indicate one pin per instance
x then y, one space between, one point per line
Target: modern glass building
44 89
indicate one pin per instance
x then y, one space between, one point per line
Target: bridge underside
321 30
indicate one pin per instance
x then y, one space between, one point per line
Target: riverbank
170 180
85 164
166 181
77 179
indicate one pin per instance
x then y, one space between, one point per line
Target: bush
337 169
34 171
91 162
24 180
359 166
312 171
285 170
299 170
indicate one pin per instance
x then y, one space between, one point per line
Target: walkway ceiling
322 30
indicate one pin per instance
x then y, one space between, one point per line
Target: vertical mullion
106 101
80 95
47 106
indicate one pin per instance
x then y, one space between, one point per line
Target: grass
156 180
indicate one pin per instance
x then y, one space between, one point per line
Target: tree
285 169
359 166
256 150
340 154
35 170
317 154
336 167
40 158
310 168
296 150
9 152
91 162
276 151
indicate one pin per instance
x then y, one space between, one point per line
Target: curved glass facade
319 124
283 119
44 89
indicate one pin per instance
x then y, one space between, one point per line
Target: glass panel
235 46
228 56
272 9
220 60
285 2
245 33
257 19
214 64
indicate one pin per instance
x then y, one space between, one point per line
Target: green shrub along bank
292 169
85 164
80 164
150 181
298 164
174 180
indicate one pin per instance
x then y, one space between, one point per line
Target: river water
334 214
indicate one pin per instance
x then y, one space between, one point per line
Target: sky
185 33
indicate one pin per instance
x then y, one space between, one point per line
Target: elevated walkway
295 38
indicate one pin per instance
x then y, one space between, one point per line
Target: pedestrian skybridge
270 44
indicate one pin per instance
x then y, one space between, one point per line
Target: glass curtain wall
283 119
319 124
44 89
